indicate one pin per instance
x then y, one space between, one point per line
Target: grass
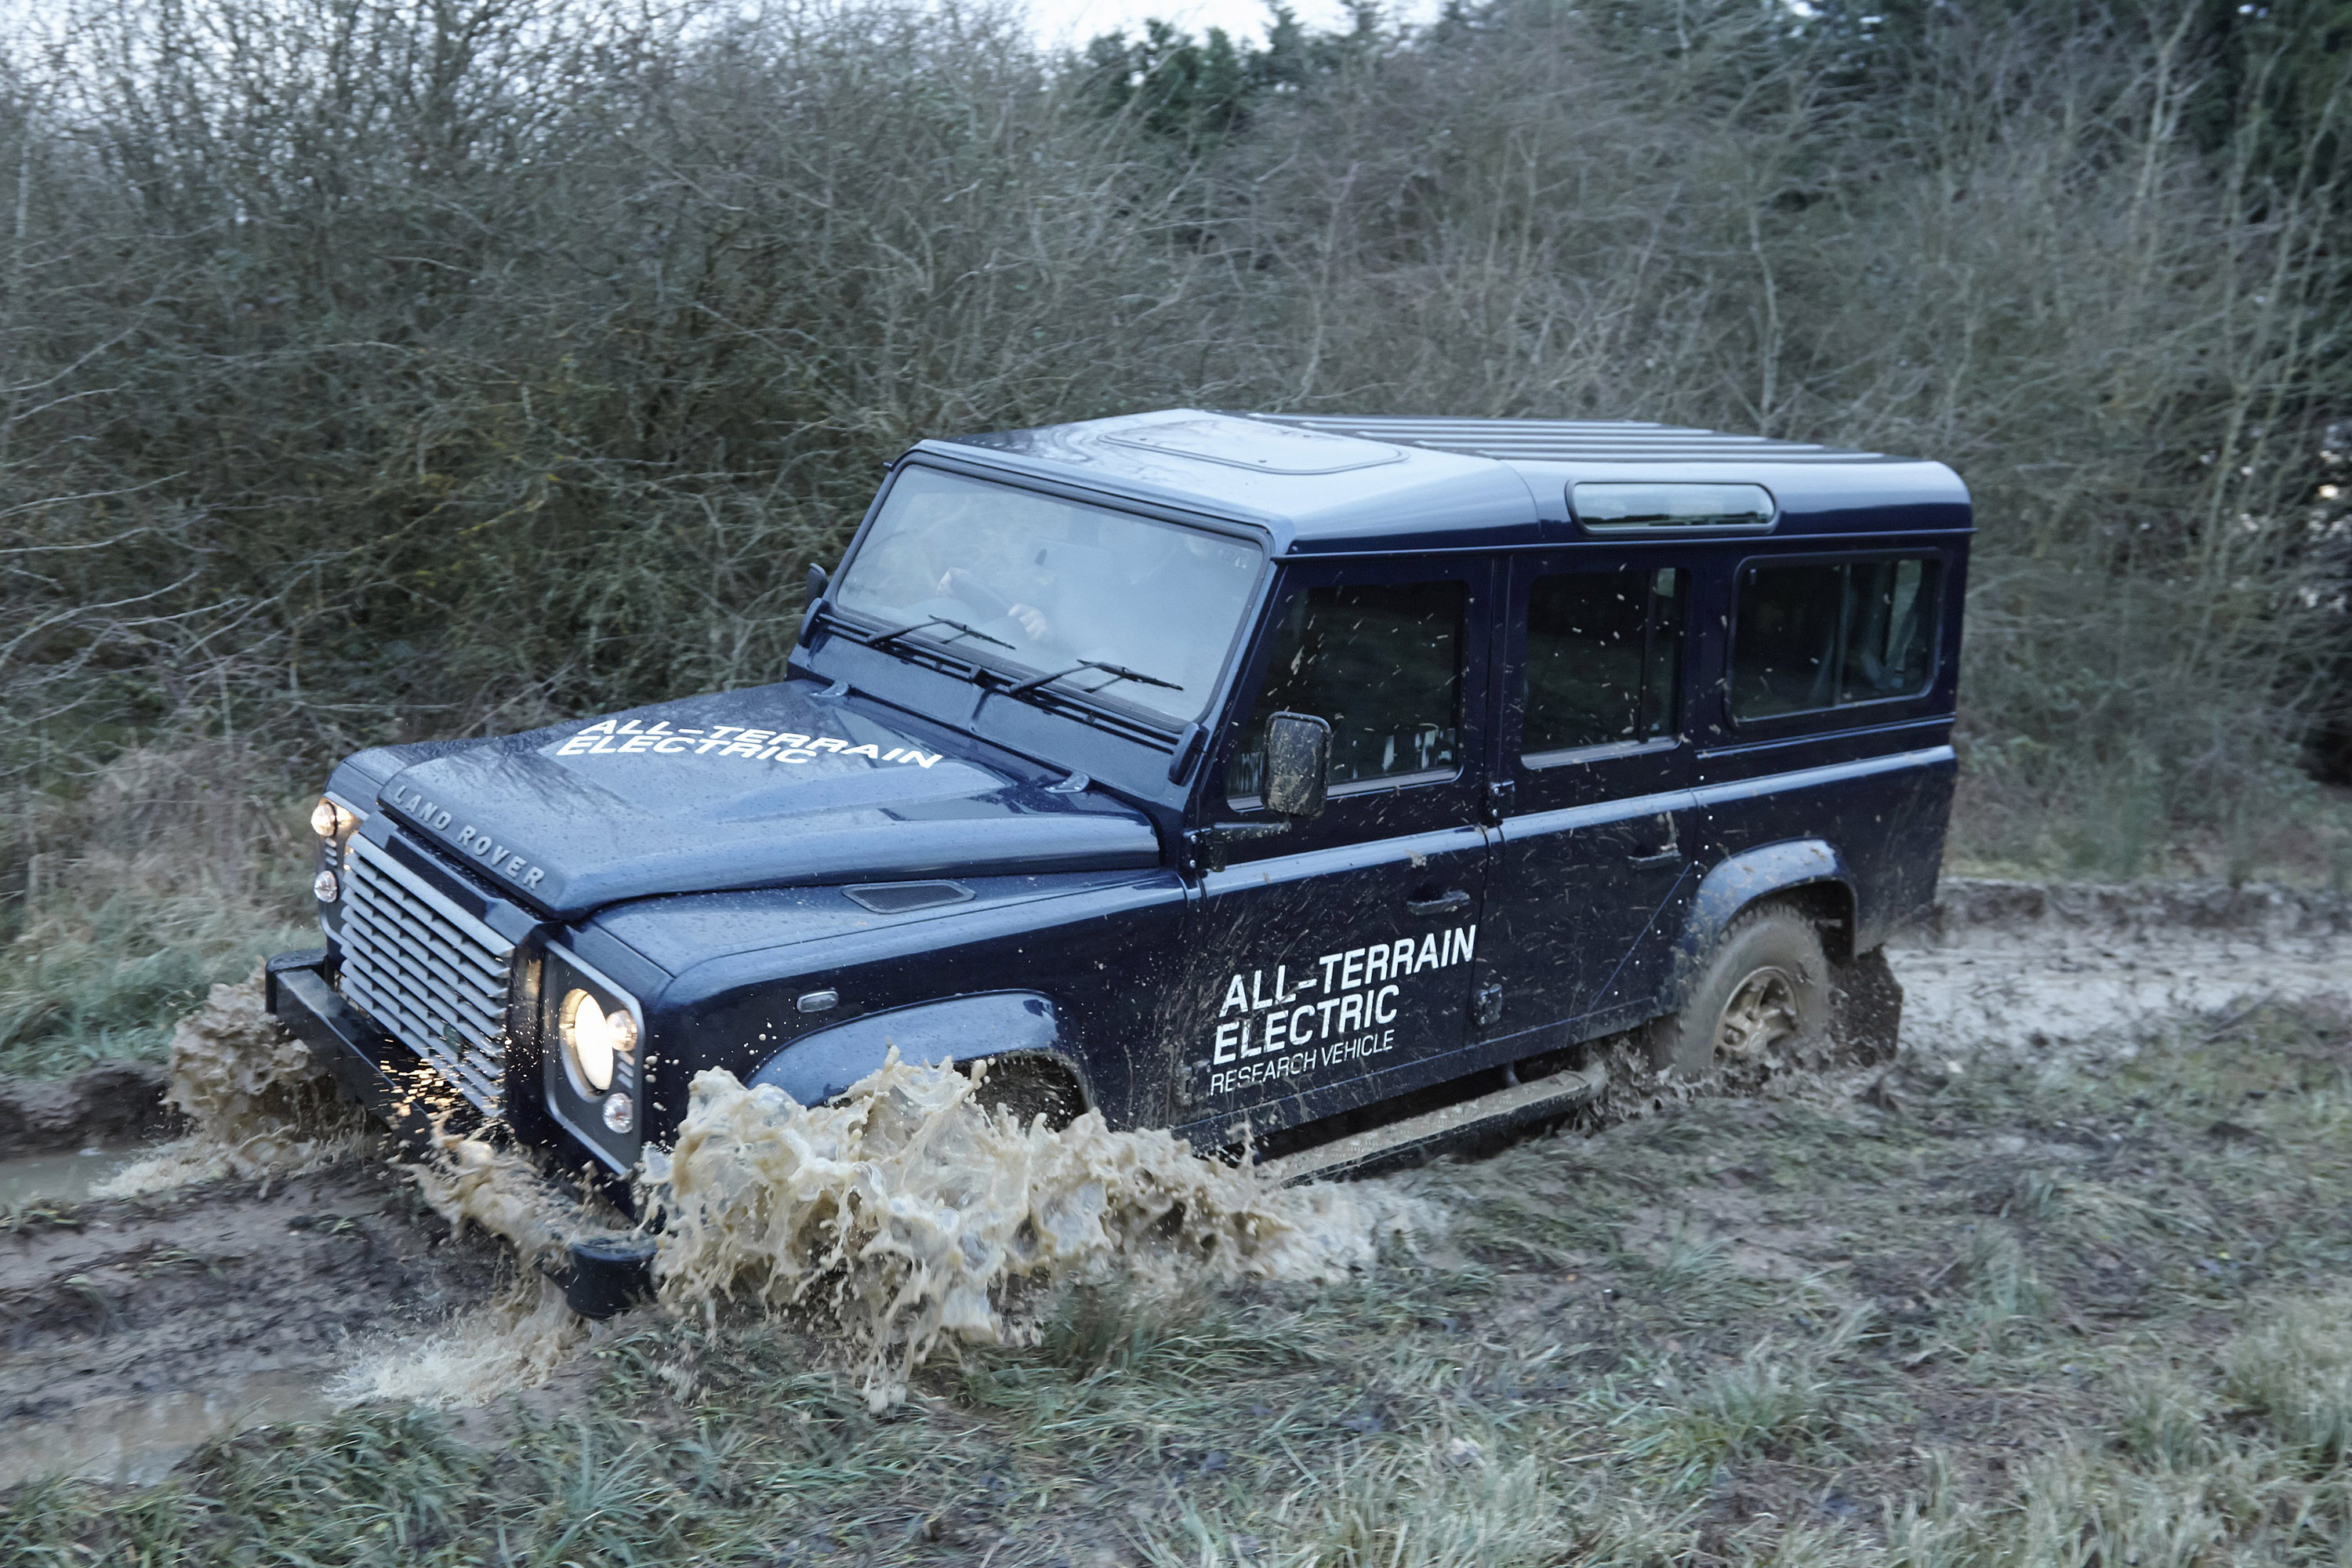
2043 1314
108 980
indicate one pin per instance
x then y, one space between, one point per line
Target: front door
1597 824
1332 965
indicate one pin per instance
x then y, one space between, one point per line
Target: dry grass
183 869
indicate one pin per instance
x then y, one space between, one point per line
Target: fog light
326 819
620 1111
592 1037
325 886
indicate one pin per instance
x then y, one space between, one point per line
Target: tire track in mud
131 1330
132 1327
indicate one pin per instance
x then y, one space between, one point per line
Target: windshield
1075 597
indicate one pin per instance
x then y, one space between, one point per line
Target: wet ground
133 1329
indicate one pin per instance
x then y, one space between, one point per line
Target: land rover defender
1288 782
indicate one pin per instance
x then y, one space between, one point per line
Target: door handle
1451 903
1673 851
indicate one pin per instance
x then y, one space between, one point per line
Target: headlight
329 820
594 1039
325 888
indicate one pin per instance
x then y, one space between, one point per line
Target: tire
1767 988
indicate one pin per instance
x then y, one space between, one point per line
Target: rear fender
1772 870
1000 1025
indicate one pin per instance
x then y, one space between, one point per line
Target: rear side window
1382 663
1604 658
1818 635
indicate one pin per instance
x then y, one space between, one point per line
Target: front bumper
601 1271
371 1067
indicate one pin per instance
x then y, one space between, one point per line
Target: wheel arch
1807 872
1004 1027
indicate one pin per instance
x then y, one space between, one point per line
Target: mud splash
254 1103
504 1346
912 1215
905 1214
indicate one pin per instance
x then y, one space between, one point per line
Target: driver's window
1382 663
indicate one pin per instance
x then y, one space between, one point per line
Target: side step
1380 1148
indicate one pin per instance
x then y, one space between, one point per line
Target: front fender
998 1023
1739 881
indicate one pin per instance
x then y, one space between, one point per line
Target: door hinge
1499 795
1487 1004
1205 846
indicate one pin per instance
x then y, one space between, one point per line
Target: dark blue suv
1279 780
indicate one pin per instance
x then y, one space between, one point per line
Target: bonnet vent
903 897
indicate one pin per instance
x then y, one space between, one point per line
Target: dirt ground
2116 1154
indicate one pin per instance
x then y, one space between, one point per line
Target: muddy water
254 1103
135 1439
902 1215
56 1178
131 1330
2026 972
909 1212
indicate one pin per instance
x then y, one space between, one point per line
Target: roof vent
904 897
1258 446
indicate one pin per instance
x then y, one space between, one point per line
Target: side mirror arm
1208 848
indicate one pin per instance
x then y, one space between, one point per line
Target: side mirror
1298 764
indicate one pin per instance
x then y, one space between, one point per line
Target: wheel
1767 988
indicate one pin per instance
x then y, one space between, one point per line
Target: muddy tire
1767 989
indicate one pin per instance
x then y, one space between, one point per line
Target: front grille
431 974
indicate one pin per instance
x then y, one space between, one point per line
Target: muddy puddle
33 1180
2031 971
274 1265
136 1439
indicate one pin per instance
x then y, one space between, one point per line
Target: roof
1323 484
1572 440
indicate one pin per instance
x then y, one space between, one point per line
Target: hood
774 787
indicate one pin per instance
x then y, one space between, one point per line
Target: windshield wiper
878 638
1117 673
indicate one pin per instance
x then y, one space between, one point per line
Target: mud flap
1866 1008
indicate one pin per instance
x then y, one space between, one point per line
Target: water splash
255 1104
905 1212
913 1215
514 1342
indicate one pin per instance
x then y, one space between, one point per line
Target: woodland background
381 369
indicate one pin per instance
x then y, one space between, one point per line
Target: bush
380 371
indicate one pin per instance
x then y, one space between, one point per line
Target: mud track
130 1331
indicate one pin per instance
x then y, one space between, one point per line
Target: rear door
1598 826
1330 964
